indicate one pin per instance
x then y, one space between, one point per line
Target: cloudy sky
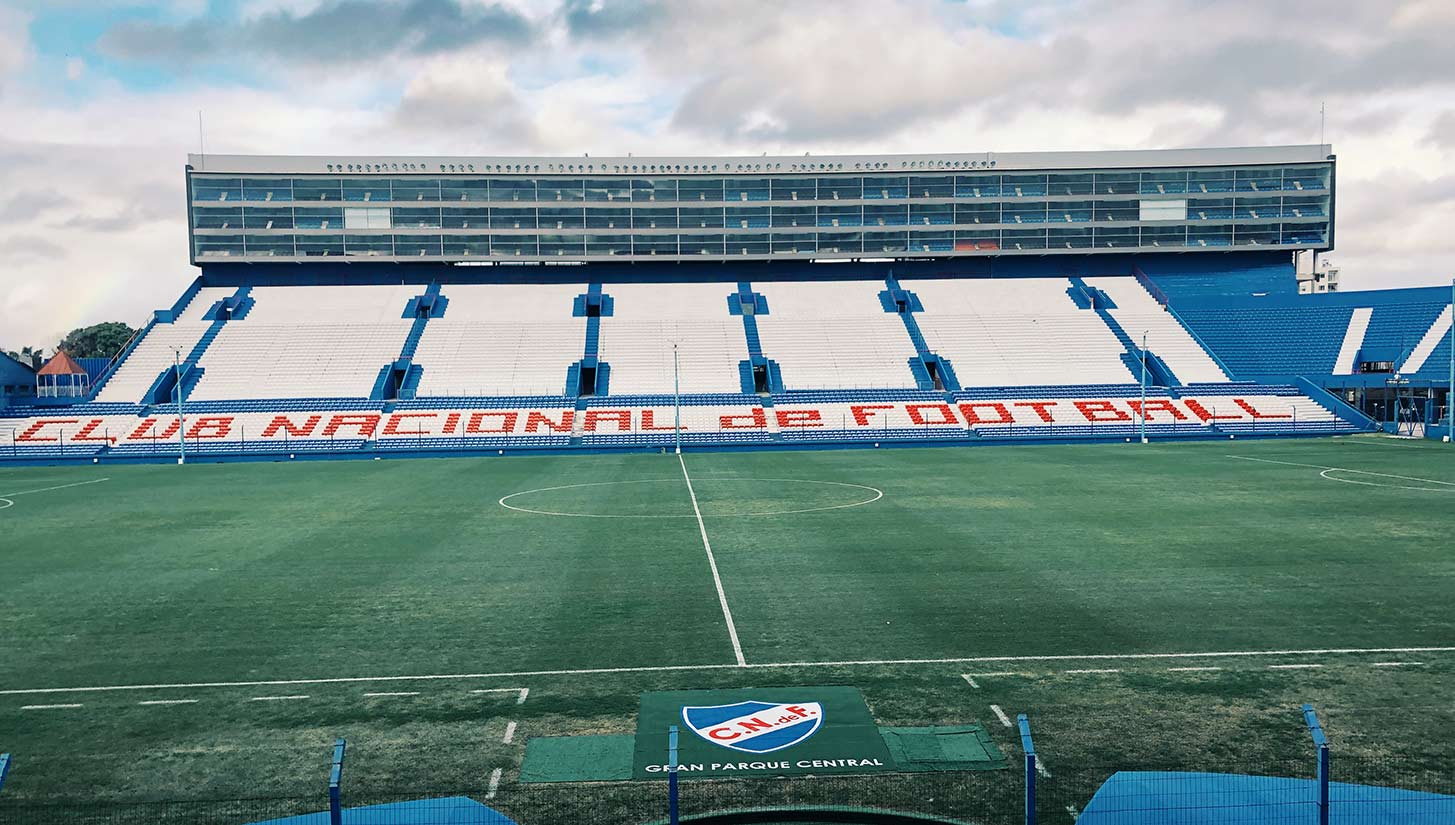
99 103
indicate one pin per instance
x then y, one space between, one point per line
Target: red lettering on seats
649 422
862 412
1201 412
534 420
1158 405
1040 408
971 417
623 419
507 422
366 422
392 428
211 426
1248 408
451 422
86 432
141 429
284 423
32 433
758 419
947 415
1097 411
798 418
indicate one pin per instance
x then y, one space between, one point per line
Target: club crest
755 727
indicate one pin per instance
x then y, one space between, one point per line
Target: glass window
693 189
1305 207
754 244
1117 210
609 218
218 246
466 246
1209 180
462 189
1305 234
204 217
977 240
1023 186
320 246
654 218
417 245
1310 177
318 217
415 189
841 216
790 243
935 187
1258 208
563 245
366 217
463 218
507 218
1116 236
1164 236
610 189
316 189
886 215
512 189
1164 183
927 214
416 218
216 189
746 217
1023 239
977 212
561 190
942 241
654 189
745 189
1032 212
700 218
1259 180
1213 234
562 218
700 245
654 244
366 189
513 245
257 217
1068 211
1078 238
268 246
1117 183
793 216
886 187
794 189
844 188
1079 184
877 242
608 244
841 242
368 245
1209 209
977 186
267 189
1255 235
1162 209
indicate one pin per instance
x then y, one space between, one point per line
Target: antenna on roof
1321 123
201 144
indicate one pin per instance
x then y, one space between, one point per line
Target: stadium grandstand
346 306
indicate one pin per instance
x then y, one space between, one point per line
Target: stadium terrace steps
834 334
648 319
1344 363
1438 333
1137 311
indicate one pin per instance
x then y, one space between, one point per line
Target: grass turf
249 572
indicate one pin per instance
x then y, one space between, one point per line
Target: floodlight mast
1142 410
676 401
1450 390
181 419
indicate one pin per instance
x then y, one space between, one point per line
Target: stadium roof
61 364
776 164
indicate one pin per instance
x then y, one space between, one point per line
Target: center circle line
878 494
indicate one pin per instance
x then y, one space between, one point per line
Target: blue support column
4 768
1030 767
1321 741
335 785
672 774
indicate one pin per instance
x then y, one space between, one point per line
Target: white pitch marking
521 691
397 693
1041 767
494 783
524 692
1000 714
278 698
1327 469
998 673
169 702
520 674
712 562
57 487
970 680
48 707
1294 667
1075 814
1395 664
1094 670
878 494
1190 669
509 734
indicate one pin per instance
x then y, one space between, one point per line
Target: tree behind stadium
97 341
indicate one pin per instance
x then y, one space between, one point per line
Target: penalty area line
600 671
712 562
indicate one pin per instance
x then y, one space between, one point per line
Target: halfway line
712 562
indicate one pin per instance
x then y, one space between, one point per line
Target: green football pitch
205 632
